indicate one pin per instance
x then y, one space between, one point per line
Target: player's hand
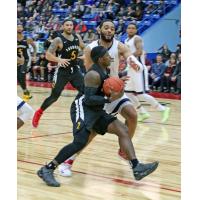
64 62
116 95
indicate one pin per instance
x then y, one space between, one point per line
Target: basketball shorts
116 106
84 118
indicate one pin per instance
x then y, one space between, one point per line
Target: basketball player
23 60
67 47
137 86
24 111
121 105
87 113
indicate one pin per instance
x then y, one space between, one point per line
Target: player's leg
76 108
61 78
25 112
79 142
124 106
21 78
118 128
154 103
142 112
65 167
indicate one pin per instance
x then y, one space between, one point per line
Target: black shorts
64 75
84 118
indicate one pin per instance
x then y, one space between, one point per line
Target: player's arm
131 59
92 81
138 43
81 43
87 58
55 45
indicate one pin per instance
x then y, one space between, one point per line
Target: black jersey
22 49
103 76
70 49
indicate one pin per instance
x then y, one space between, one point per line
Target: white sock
152 101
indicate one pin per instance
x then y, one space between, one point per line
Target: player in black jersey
66 46
22 60
87 114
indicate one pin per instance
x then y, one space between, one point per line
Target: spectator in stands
147 62
178 49
166 78
133 4
89 36
165 52
150 8
141 5
121 13
161 8
78 10
130 13
157 72
176 76
81 28
138 14
120 28
39 68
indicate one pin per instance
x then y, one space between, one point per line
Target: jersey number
73 55
20 52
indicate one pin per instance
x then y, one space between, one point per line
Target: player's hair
133 23
68 20
98 52
105 20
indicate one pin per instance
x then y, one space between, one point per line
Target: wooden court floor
98 173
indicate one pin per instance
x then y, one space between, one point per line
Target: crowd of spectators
42 19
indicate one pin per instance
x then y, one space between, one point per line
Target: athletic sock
133 163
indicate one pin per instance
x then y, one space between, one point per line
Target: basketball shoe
47 176
36 117
143 116
142 170
165 114
65 168
26 96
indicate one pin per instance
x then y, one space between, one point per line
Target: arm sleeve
91 99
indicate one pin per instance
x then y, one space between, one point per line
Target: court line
116 180
25 138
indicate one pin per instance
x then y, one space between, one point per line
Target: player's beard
103 37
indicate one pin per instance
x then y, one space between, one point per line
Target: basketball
112 84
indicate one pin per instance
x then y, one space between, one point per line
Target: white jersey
138 82
131 44
114 54
117 105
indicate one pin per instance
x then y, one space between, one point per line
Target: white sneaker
65 170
